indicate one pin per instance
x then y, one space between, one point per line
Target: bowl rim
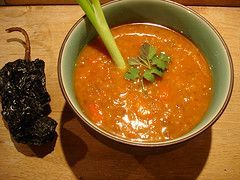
142 143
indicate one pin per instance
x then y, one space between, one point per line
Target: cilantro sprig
154 64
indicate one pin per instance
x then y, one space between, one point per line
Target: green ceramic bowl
166 13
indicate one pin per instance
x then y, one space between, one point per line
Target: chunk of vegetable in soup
170 107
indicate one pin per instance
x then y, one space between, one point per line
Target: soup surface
171 106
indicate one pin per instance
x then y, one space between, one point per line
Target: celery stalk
94 12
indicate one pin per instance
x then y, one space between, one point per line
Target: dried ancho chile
25 100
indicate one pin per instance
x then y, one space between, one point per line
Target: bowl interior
169 14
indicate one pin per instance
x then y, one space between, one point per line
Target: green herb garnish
132 74
94 12
154 65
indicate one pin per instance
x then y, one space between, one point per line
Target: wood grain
185 2
79 152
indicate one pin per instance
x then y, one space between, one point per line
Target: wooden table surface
80 153
185 2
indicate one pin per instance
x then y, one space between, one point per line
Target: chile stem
27 41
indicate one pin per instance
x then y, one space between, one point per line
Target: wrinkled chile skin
25 102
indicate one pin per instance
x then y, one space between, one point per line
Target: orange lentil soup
171 106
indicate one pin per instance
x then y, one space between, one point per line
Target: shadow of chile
34 150
91 155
